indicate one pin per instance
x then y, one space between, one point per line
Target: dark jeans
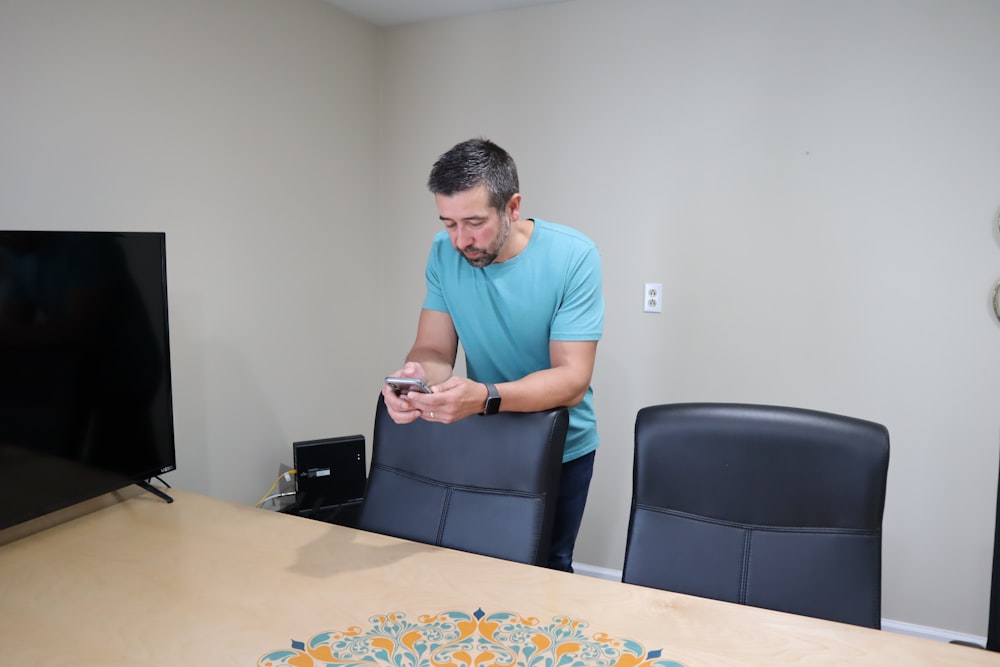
574 484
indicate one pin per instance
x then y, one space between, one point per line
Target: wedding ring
431 413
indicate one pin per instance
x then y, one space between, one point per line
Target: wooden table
207 582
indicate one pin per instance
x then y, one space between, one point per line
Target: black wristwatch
492 400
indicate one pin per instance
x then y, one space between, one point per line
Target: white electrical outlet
653 298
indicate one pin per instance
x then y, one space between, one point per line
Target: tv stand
154 490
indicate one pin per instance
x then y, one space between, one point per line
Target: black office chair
993 620
487 485
767 506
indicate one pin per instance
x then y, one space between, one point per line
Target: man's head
476 189
476 162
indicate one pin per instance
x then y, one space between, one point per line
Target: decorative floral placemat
460 639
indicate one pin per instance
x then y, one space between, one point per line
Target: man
523 297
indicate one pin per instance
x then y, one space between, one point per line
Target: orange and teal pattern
460 639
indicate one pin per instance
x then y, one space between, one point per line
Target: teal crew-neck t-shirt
506 313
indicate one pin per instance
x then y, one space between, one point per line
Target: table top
204 581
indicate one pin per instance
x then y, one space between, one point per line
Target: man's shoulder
441 247
563 232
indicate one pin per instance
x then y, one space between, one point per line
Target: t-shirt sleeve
581 314
434 299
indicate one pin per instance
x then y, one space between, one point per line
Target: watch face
492 400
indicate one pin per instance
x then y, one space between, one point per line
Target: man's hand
455 398
400 408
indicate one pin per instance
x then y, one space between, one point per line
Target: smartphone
403 386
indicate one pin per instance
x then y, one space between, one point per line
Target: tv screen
85 393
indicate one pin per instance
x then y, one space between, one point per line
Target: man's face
477 230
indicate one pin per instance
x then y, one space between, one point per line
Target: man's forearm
544 390
437 367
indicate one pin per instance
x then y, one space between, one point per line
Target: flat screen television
85 391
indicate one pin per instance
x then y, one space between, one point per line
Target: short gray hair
472 163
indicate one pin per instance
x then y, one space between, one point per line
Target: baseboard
597 572
925 632
889 625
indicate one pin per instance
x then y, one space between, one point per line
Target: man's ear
514 207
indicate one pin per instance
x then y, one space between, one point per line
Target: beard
488 255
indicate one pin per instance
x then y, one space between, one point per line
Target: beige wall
246 130
815 185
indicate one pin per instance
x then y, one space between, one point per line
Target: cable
267 495
275 496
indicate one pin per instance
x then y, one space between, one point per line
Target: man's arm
564 384
432 359
435 347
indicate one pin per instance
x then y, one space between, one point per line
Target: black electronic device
330 474
85 391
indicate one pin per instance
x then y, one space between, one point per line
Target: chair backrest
486 485
768 506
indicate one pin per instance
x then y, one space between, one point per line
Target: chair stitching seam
460 487
760 527
745 565
444 517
